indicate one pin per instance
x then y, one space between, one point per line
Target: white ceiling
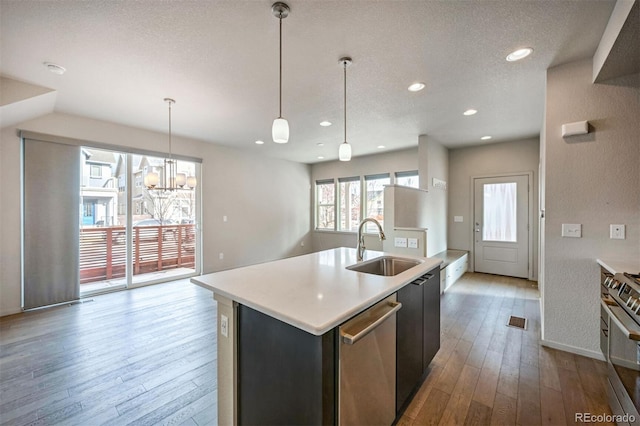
219 61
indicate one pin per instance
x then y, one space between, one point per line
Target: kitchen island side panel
285 375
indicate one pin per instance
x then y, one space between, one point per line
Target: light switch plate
413 243
458 219
616 232
224 325
399 242
573 230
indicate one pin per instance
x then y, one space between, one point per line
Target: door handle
351 339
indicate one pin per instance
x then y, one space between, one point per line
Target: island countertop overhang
313 292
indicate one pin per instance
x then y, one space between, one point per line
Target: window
374 201
408 179
349 203
499 213
325 205
95 171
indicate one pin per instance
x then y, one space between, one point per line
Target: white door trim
530 216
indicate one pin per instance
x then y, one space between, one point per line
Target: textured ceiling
219 61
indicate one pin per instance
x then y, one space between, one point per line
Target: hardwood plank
432 409
552 407
478 415
485 390
456 410
504 410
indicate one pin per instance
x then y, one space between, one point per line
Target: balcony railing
103 253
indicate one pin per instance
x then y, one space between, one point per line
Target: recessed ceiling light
485 138
259 142
416 87
320 157
470 112
519 54
320 144
381 147
54 68
325 123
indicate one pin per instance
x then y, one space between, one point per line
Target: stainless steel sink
387 266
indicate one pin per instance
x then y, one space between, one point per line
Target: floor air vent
517 322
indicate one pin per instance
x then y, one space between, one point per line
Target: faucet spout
360 247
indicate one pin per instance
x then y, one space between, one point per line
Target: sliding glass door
133 233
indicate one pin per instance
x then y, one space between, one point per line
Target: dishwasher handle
351 339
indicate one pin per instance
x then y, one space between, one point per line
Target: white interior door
501 231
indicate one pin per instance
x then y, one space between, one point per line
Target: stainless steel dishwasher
367 372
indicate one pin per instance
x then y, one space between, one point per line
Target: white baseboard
573 349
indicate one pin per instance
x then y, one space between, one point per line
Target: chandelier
171 179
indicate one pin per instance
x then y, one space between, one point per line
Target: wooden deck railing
155 248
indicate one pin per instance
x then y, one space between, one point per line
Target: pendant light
344 153
280 129
172 181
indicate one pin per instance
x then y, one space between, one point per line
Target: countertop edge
618 266
422 269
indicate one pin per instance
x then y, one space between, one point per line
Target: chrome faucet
360 247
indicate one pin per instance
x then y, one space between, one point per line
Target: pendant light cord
170 156
280 107
345 101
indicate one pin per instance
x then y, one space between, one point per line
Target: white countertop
619 266
313 292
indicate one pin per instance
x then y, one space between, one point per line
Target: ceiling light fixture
325 123
485 138
171 180
519 54
416 87
320 157
320 144
381 147
55 68
470 112
259 142
344 153
280 129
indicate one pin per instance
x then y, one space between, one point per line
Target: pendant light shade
280 129
344 152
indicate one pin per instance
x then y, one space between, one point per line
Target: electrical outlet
400 242
413 243
221 256
616 232
224 325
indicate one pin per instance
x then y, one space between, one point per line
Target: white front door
501 225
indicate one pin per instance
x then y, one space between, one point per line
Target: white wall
486 160
434 163
593 180
266 200
390 162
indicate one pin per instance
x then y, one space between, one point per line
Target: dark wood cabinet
431 318
285 375
409 337
418 334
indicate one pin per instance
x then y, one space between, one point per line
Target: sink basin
387 266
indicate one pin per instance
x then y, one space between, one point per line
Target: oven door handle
621 319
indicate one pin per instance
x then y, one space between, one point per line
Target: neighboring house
98 190
147 204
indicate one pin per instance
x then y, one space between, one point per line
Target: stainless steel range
620 341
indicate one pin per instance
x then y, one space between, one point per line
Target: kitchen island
277 331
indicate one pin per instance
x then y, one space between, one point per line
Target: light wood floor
140 357
147 356
488 373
